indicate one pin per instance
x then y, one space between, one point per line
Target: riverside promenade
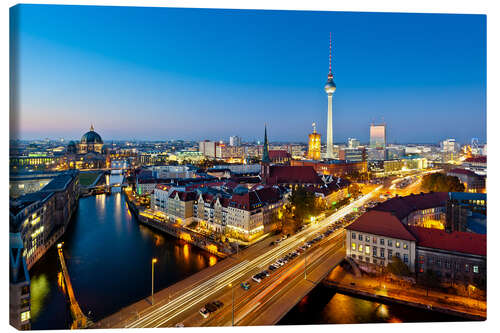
391 292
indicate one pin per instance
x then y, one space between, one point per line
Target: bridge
265 303
79 319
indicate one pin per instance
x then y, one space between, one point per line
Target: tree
430 280
439 182
354 190
398 267
304 203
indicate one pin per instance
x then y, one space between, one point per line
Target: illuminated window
476 269
367 249
360 248
397 244
405 246
25 315
367 238
374 239
353 246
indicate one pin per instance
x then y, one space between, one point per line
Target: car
179 324
272 243
245 285
256 279
272 267
218 304
211 307
266 273
204 312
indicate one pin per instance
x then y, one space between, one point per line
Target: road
185 307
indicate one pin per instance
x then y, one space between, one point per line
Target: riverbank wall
384 292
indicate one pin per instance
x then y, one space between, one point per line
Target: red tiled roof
477 159
252 199
183 195
381 224
464 242
403 206
293 175
462 172
163 187
279 154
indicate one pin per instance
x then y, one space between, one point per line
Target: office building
234 141
352 143
378 136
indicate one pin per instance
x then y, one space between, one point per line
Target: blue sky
164 73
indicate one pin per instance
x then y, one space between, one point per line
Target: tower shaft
329 130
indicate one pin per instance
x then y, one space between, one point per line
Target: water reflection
60 282
185 252
324 306
97 251
100 203
40 288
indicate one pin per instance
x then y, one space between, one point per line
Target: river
324 306
108 255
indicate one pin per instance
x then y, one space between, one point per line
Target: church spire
265 153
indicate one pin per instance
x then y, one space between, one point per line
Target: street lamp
153 262
232 306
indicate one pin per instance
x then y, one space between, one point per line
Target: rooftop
463 242
381 224
294 174
403 206
477 159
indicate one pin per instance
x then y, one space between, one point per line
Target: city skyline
220 77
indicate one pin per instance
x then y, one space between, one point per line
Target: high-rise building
378 136
234 141
450 146
352 143
314 151
330 88
352 154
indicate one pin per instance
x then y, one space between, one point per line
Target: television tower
330 89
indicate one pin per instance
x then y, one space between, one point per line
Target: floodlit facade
314 152
378 136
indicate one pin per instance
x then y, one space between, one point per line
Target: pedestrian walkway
413 295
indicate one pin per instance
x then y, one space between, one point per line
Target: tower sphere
330 86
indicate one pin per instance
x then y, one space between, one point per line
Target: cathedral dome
91 137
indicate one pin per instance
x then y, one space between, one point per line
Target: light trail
201 293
